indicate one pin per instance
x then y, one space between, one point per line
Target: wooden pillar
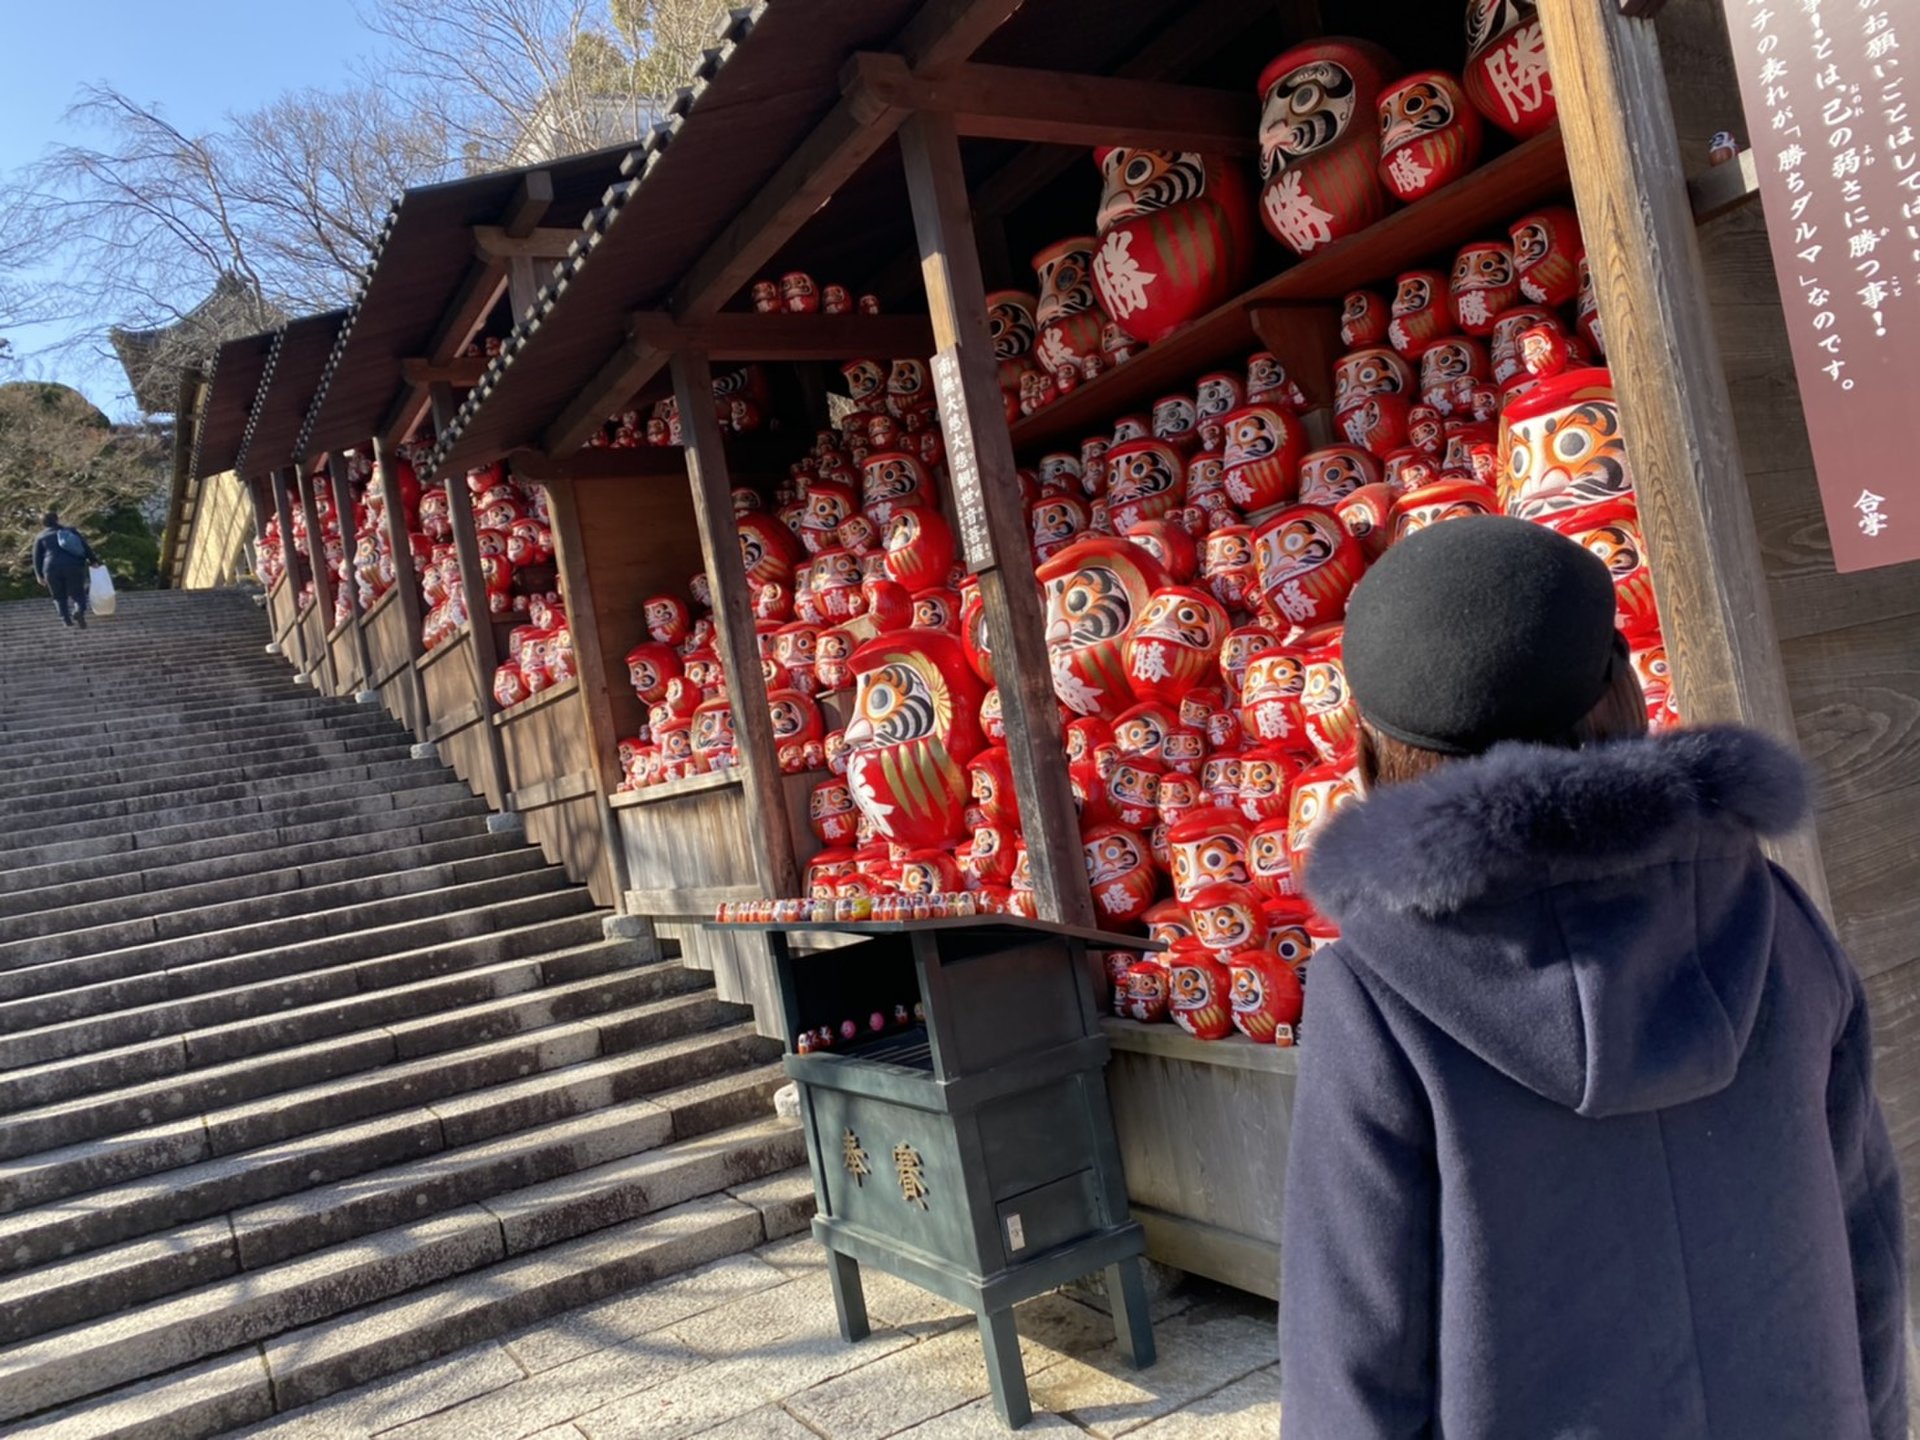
283 511
323 577
590 664
343 512
521 286
473 586
993 528
775 867
1675 411
405 581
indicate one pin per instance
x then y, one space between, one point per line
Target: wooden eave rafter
942 35
731 336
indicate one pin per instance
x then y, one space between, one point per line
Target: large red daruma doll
1175 237
1507 77
914 728
1308 565
1095 590
1320 142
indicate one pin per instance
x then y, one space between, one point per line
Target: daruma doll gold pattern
1320 142
913 730
1095 588
1175 237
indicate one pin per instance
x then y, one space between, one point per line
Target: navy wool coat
1585 1144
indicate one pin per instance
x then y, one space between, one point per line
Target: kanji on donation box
1831 88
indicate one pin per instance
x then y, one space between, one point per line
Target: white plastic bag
100 597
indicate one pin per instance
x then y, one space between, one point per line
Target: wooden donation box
962 1140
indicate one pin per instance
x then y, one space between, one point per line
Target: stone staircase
306 1076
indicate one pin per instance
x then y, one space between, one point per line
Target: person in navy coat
1585 1145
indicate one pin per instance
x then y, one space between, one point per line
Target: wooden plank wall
346 660
550 766
459 710
392 652
313 634
1850 643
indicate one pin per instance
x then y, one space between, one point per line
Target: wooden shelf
1170 1042
549 696
673 789
1481 203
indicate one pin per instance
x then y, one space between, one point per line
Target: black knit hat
1480 630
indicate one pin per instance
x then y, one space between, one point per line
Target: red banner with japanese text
1832 95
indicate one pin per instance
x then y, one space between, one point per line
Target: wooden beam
323 577
549 242
630 367
736 336
986 489
482 651
775 865
1675 411
479 292
523 285
1720 188
1305 339
464 372
529 204
406 584
1004 102
283 511
342 492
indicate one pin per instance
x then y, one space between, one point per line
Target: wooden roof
287 388
235 380
419 266
759 105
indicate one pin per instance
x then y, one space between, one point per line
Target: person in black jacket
1585 1144
61 556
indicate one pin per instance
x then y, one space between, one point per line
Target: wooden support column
775 867
343 511
590 664
404 580
323 578
283 510
473 586
1675 411
1305 339
987 494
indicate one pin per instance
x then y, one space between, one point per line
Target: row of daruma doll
1345 135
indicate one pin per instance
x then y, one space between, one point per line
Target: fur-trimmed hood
1595 924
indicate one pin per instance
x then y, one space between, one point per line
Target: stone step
261 1094
238 877
56 1368
423 936
209 781
282 1010
149 1179
459 813
239 709
374 730
255 760
252 817
144 743
239 806
228 907
310 1362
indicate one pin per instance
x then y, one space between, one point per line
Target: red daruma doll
1095 588
1266 996
1308 565
1200 988
1121 873
1320 142
915 726
1175 643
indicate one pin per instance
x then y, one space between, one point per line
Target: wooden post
283 511
405 581
322 576
343 512
590 664
987 493
1675 411
473 586
775 867
1305 339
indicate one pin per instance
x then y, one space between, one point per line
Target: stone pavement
747 1349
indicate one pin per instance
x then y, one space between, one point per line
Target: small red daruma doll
1367 515
1142 731
1269 869
798 294
1449 369
1420 313
1271 696
1430 134
832 650
1309 565
1146 993
1318 795
667 618
1328 475
990 783
1228 567
1199 990
831 812
919 547
1133 791
973 629
1291 923
1266 776
1441 500
1506 76
1057 520
1332 717
1218 393
1612 531
891 479
1483 286
1175 642
1261 461
1363 320
1267 997
1373 395
990 861
509 686
1146 480
1228 916
650 665
1237 652
1169 542
1547 250
1320 142
1209 845
1120 872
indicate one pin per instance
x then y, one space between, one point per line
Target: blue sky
198 59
